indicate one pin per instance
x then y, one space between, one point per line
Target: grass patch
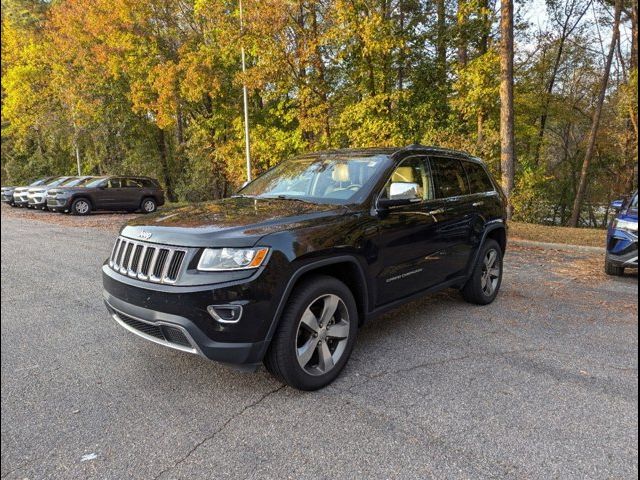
591 237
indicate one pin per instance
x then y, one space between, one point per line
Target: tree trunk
164 164
462 18
634 35
595 123
441 42
507 134
483 48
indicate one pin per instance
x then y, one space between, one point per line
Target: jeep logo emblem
145 235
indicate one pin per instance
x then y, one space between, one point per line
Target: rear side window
147 182
479 180
450 177
131 183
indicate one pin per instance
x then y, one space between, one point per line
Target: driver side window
409 181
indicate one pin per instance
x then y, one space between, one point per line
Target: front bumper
58 203
158 312
622 248
37 201
20 199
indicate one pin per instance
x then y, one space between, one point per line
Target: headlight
625 225
221 259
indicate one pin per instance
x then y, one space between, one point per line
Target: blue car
622 237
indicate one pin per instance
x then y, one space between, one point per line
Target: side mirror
617 204
400 193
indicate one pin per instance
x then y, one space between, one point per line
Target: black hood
232 222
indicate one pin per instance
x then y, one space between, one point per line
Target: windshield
57 181
76 182
94 182
322 179
40 181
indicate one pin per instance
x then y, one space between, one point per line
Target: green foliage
155 87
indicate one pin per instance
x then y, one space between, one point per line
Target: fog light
225 313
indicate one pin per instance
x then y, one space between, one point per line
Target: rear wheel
148 205
485 281
612 269
81 206
316 334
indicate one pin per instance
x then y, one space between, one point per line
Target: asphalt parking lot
541 384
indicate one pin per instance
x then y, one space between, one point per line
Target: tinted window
450 177
131 183
114 183
148 183
410 180
478 179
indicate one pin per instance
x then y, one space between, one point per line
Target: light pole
245 96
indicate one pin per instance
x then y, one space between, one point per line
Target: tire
303 325
81 206
148 205
612 269
482 287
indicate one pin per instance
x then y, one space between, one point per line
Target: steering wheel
354 187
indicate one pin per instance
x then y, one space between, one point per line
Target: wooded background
155 87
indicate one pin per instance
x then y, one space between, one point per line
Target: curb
557 246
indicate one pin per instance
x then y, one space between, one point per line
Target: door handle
478 204
438 211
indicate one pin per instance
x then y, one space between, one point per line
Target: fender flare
490 227
309 267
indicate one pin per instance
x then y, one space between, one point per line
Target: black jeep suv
107 193
287 270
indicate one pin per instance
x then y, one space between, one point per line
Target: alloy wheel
82 207
490 273
323 333
149 206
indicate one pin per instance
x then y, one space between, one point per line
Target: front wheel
81 206
485 281
316 334
612 269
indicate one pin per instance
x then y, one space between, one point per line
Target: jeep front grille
145 261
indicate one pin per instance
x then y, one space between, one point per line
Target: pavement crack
211 436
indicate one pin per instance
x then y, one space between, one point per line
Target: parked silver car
17 196
37 196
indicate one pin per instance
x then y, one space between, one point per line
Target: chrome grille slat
132 271
113 252
147 262
123 244
126 258
156 273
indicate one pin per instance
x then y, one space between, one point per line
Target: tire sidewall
295 374
74 206
144 201
489 245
